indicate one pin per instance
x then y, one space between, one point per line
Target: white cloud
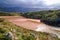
31 3
51 2
23 1
26 3
34 2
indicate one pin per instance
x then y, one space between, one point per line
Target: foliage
47 14
9 14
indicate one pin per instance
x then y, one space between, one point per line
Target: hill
9 31
20 9
45 14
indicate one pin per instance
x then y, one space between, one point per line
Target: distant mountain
20 9
24 9
54 7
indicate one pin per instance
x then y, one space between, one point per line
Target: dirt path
31 24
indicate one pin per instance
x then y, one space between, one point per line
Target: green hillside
9 31
46 14
9 14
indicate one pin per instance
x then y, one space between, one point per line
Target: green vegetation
48 14
9 31
9 14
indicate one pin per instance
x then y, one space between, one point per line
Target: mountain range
20 9
25 9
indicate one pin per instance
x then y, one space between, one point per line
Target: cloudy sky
29 3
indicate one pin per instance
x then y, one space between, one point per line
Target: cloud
26 3
51 2
29 3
